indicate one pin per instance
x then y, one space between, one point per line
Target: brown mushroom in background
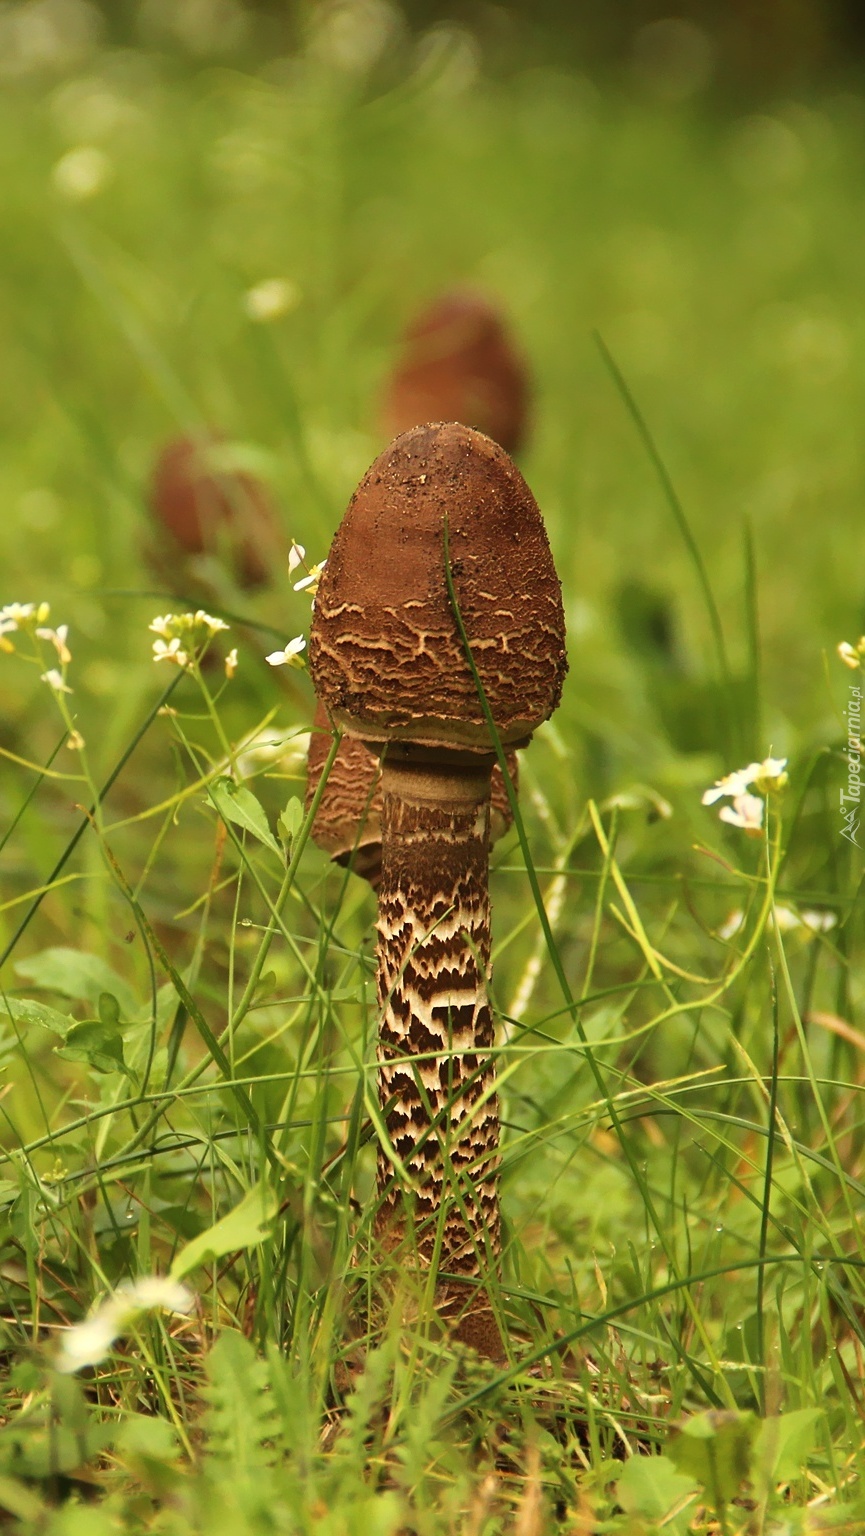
459 363
387 661
201 507
348 821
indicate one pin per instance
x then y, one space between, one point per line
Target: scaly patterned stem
433 965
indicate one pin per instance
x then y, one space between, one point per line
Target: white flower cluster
786 921
746 812
181 635
30 618
853 656
89 1342
22 616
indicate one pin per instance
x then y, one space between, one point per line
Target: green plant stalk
86 820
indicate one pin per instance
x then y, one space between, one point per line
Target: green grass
683 1168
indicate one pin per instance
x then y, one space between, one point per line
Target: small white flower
732 925
820 922
81 173
58 640
270 299
290 656
151 1291
54 679
852 655
231 662
766 776
186 626
89 1342
309 583
212 625
746 812
296 556
75 741
786 919
172 651
18 615
732 784
771 775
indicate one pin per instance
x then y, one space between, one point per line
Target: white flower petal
746 812
89 1342
786 919
820 922
732 925
54 679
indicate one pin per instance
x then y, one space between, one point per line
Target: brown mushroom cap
208 509
458 363
348 821
385 652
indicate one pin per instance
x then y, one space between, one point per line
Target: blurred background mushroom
210 518
459 362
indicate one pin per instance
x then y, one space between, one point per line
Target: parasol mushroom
348 821
387 661
205 507
459 363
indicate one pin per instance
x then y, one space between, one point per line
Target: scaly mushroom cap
348 820
207 509
458 363
385 653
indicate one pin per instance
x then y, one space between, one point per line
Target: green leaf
147 1439
108 1009
715 1447
23 1011
243 1227
99 1045
651 1486
783 1445
237 804
74 973
291 819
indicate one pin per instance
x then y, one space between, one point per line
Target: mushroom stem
433 965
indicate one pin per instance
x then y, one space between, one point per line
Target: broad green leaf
108 1009
99 1045
74 973
291 820
243 1227
23 1011
651 1486
715 1447
783 1445
239 805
